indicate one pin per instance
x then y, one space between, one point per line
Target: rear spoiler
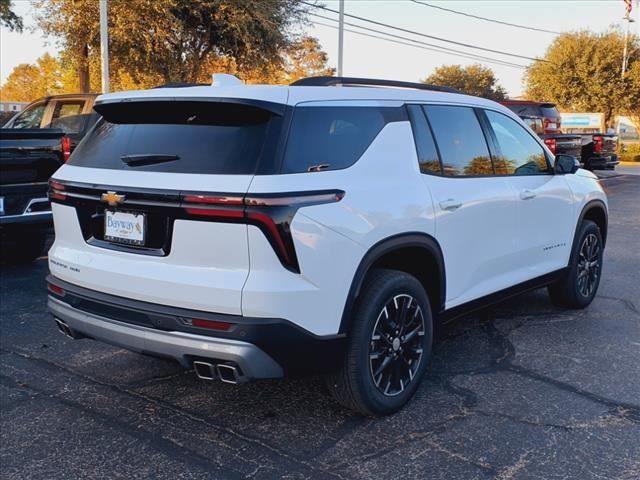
176 109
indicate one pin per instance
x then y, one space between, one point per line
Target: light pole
104 46
341 38
629 20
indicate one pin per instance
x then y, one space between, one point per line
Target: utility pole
104 46
629 20
341 39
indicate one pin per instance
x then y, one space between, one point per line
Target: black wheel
22 249
389 345
578 287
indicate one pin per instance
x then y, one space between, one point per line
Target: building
12 107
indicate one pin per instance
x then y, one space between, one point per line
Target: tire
578 287
354 385
18 249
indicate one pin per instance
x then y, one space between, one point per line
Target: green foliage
472 80
629 152
173 40
8 18
582 72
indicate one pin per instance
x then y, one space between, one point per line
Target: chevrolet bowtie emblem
112 198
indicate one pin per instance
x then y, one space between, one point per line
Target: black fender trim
383 247
591 204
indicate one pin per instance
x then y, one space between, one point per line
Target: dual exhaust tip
227 373
66 330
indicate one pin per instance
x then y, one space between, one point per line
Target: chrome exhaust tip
64 329
205 370
228 373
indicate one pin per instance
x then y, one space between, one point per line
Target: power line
478 17
412 44
413 32
440 48
415 43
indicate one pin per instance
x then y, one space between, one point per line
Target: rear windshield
549 111
177 137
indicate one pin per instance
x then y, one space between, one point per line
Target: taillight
66 148
272 214
597 143
211 324
55 289
551 143
56 191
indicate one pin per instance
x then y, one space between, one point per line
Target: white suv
260 231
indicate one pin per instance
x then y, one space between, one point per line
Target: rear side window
463 148
178 137
333 138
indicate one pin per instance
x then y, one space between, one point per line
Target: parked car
33 145
594 151
261 231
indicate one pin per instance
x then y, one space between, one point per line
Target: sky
375 58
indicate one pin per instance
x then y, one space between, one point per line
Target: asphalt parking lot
522 390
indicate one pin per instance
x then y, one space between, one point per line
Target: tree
172 39
28 82
8 18
472 80
581 72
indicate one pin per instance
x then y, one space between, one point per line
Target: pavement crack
240 436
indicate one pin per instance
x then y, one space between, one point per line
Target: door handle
450 204
527 194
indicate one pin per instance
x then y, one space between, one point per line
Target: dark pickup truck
33 145
28 157
599 151
593 150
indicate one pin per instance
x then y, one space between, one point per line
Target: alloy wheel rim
395 351
588 265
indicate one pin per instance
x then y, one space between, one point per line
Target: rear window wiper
143 159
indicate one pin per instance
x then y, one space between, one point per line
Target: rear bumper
183 347
39 219
602 162
261 347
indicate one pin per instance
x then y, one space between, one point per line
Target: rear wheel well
420 263
597 215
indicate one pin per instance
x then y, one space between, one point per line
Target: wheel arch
416 253
596 211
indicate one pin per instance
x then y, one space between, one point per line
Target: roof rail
326 81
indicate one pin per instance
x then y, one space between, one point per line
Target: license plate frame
136 218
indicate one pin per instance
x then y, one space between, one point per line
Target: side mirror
566 164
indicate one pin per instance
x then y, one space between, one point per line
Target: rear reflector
211 324
56 290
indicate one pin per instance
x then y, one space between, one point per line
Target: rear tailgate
28 158
564 144
141 165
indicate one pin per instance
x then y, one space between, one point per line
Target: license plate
124 227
